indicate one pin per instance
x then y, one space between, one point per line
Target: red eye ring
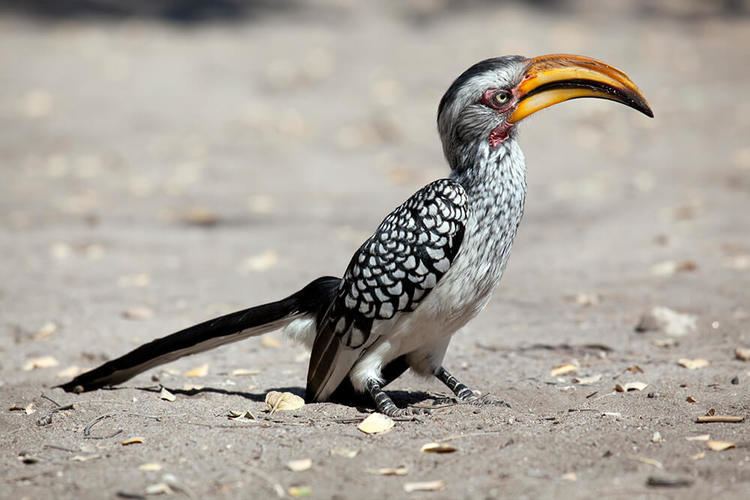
498 99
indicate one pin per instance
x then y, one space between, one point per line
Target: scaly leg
385 405
463 393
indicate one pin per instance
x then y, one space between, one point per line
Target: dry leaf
587 380
244 372
198 371
69 372
150 467
166 395
138 313
376 423
42 362
299 491
631 386
259 263
132 440
159 489
692 364
668 321
425 486
270 342
438 448
241 415
720 445
299 465
701 437
563 370
742 353
283 401
344 452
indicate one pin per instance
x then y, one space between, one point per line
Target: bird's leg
463 393
385 405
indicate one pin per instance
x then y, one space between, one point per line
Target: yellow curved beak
556 78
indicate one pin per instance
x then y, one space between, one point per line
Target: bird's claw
411 413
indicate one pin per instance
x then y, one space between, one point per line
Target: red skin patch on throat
499 134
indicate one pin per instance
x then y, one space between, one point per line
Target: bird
430 266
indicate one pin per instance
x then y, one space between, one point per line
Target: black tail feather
311 300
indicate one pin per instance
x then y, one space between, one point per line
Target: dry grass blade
720 445
563 369
132 440
390 471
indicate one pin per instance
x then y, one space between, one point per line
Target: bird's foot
410 413
472 398
479 399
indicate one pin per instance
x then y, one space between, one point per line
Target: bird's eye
501 97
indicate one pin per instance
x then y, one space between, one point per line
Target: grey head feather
462 120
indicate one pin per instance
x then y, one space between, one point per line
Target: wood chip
299 465
425 486
390 471
45 331
344 452
569 476
159 489
710 419
438 448
563 370
166 395
150 467
587 380
376 423
742 353
244 372
69 372
270 342
132 440
138 313
692 364
198 371
701 437
41 362
299 491
720 445
259 263
283 401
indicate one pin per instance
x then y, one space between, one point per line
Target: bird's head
485 103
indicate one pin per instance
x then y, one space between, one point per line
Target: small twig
44 396
90 425
474 434
709 419
47 419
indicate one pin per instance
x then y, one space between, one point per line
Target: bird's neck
489 174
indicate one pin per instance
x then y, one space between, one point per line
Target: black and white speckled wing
390 274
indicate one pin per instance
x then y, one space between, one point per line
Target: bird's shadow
401 398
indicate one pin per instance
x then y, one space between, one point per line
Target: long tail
310 301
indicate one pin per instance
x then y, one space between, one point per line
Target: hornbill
431 264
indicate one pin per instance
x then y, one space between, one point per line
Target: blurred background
165 161
193 157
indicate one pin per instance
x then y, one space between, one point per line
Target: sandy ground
179 171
